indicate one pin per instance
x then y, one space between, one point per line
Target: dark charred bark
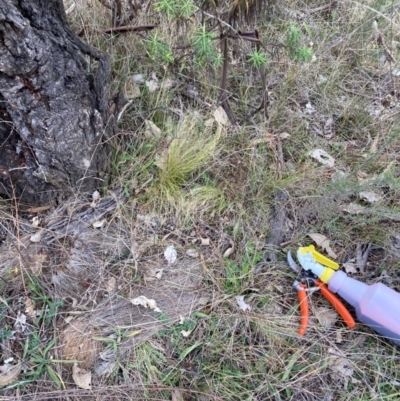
53 109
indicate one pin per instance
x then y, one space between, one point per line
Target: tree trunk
54 118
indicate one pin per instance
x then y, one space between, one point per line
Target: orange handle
341 309
302 295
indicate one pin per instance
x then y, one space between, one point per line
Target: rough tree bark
54 113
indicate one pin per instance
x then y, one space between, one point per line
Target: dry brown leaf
146 302
374 145
170 255
340 365
327 317
35 222
221 117
36 264
152 85
192 253
370 196
9 373
354 208
322 157
230 250
242 305
131 89
323 243
29 308
111 284
205 241
37 237
99 223
176 395
154 274
186 333
350 267
82 378
151 130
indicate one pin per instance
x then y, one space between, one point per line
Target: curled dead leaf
323 242
322 157
131 89
221 117
370 196
192 253
146 302
350 267
242 304
354 208
82 378
327 317
229 251
37 237
9 373
29 308
205 241
170 255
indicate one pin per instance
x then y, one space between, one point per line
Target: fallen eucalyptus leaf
35 222
323 243
29 308
131 89
242 305
99 223
177 395
151 130
322 157
146 302
20 323
111 284
170 255
228 252
37 237
327 317
192 253
370 196
354 208
205 241
9 373
350 267
82 378
152 85
221 117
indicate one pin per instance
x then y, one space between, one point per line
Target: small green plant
295 48
204 48
176 9
114 339
257 58
293 39
304 54
39 361
238 275
46 306
159 51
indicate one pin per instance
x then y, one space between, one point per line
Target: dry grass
204 187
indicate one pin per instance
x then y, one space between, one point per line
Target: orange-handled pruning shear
309 282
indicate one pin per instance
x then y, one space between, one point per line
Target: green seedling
238 275
204 48
158 51
40 361
257 59
176 9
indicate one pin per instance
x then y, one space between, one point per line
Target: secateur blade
293 265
